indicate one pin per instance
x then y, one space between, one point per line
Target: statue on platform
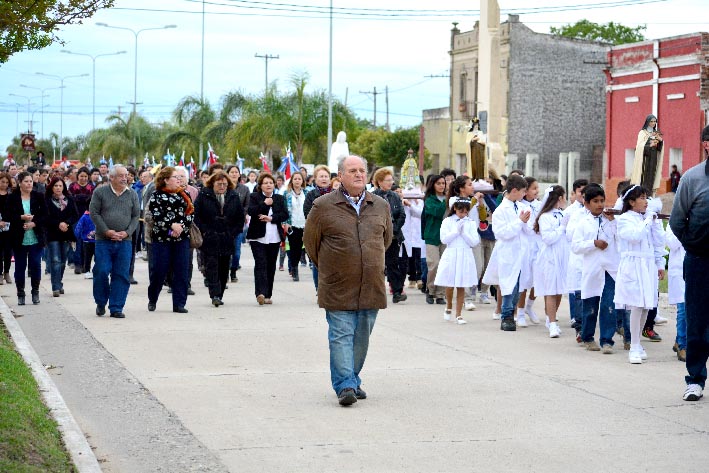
409 173
649 153
340 149
475 151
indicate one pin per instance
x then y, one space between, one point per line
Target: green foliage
32 24
613 33
394 148
366 144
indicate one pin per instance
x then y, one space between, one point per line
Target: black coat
14 210
69 215
257 206
219 226
398 214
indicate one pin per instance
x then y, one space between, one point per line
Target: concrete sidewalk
246 388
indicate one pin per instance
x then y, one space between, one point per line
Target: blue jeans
28 255
696 300
314 270
509 302
166 255
57 253
112 258
681 326
424 270
606 317
348 335
79 254
236 258
575 310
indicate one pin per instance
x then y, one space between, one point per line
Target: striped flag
264 163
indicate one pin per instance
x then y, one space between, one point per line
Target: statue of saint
409 173
649 153
340 149
475 151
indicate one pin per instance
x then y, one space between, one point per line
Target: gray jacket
690 213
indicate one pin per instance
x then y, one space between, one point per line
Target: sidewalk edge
74 439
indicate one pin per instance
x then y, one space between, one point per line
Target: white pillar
531 163
573 169
563 170
511 161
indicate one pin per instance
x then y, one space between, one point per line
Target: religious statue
475 151
340 149
649 152
409 173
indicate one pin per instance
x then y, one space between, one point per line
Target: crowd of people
455 243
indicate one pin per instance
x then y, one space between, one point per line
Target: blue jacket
85 229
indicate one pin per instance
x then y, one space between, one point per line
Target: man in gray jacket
114 210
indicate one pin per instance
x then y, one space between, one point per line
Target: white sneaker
572 322
485 299
660 320
496 316
88 275
546 323
139 254
635 357
532 315
447 315
554 331
521 320
693 393
460 321
469 305
643 355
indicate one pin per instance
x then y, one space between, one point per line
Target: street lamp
35 111
61 105
135 72
93 59
43 91
28 104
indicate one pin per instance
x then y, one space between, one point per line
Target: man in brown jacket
346 236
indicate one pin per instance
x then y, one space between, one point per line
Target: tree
394 148
613 33
32 24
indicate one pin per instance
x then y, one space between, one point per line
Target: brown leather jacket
348 250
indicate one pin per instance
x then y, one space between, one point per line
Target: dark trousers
134 249
696 299
606 316
87 254
413 263
173 255
265 257
650 322
216 271
79 254
394 273
295 241
28 255
5 254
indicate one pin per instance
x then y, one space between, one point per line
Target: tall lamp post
135 72
43 90
93 74
61 105
28 103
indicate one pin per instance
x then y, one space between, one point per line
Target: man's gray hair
114 170
341 162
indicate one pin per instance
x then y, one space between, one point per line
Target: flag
182 158
103 160
169 158
89 165
288 167
110 162
240 163
264 163
211 155
191 167
152 161
146 162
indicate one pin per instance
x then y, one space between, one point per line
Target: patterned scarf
185 197
60 203
324 190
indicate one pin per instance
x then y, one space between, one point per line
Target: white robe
457 265
675 268
574 211
596 262
637 283
533 242
412 227
551 262
510 250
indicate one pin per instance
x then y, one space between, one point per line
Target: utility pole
266 57
386 101
374 94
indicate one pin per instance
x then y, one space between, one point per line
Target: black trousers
87 254
265 258
412 263
295 241
216 271
395 274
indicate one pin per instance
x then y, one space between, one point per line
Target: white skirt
457 268
636 283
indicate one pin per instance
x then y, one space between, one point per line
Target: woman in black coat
268 212
220 217
61 216
27 213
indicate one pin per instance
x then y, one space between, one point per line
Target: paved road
246 389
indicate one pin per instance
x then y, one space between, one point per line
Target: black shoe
190 292
508 324
133 281
169 290
61 291
100 310
296 278
35 298
360 393
77 270
20 300
232 275
180 310
55 293
430 299
650 334
216 302
118 315
347 397
399 298
440 301
151 306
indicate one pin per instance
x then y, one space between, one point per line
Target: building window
463 91
629 158
676 158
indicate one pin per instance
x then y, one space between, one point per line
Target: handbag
195 237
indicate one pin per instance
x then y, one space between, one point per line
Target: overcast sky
394 43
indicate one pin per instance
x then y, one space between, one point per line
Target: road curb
74 439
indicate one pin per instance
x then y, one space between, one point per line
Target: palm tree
192 116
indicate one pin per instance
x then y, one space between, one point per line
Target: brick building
668 78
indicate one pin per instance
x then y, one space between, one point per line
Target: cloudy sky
382 43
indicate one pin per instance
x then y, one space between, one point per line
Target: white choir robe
596 262
675 268
510 249
574 212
